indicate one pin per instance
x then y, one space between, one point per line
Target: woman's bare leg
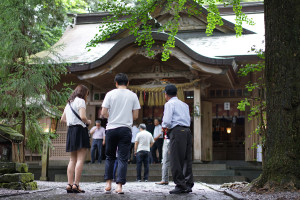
71 167
81 154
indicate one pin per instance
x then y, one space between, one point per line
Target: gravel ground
142 190
133 190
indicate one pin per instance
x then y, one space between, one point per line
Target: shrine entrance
228 133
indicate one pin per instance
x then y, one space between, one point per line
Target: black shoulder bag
77 115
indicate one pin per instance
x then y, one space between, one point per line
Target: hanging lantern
228 130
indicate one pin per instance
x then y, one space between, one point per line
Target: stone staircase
208 173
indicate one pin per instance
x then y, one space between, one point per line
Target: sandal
69 190
107 191
119 192
77 190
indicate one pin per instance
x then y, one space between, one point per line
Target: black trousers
117 138
181 157
157 145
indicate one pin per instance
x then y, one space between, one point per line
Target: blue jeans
97 144
117 138
115 169
142 157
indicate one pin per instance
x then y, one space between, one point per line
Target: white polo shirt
99 133
144 139
157 131
120 104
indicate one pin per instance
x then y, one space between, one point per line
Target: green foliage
256 103
138 20
27 82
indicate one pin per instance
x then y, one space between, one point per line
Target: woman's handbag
77 115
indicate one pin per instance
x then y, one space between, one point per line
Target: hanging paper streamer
156 99
141 99
180 94
152 99
161 101
156 96
149 99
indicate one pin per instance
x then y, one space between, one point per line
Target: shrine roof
71 48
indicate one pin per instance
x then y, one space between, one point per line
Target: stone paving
132 190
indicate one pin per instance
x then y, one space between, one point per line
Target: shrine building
204 68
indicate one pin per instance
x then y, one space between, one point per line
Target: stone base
44 178
19 185
17 177
11 167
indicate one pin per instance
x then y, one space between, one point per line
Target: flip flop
119 192
107 191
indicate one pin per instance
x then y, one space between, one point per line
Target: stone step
196 167
17 177
197 178
132 172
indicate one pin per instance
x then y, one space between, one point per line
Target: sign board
226 105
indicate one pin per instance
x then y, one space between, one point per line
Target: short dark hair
121 79
157 119
171 90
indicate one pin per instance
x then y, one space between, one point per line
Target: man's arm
93 130
151 141
161 132
151 144
104 112
157 137
135 147
167 119
135 114
103 143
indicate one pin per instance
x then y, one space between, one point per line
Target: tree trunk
281 169
23 131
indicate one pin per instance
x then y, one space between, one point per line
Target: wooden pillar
206 132
250 137
15 152
197 125
45 161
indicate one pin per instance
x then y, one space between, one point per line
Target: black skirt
77 138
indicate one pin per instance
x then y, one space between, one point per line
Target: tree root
262 185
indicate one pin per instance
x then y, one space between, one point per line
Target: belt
176 127
181 126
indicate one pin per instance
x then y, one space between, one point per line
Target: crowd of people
125 142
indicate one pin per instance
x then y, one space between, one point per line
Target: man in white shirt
143 142
121 107
98 134
135 130
159 139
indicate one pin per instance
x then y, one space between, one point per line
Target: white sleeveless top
71 117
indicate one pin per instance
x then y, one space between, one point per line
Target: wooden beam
159 75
